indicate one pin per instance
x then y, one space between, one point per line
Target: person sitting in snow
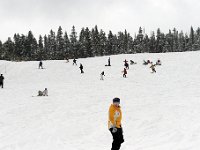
145 62
158 62
43 93
132 62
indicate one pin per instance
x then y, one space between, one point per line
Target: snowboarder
153 68
40 65
43 93
101 75
158 62
74 61
81 68
124 72
108 62
114 124
1 80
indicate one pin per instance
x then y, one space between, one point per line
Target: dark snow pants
118 139
1 84
82 71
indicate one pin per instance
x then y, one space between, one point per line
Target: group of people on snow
152 66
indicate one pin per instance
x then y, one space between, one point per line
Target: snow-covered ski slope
160 111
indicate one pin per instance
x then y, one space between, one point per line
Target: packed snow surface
161 111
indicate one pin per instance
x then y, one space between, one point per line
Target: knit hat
116 99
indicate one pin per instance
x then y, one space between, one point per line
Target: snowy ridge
160 111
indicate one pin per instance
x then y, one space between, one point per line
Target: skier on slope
124 72
1 80
108 62
153 68
126 64
40 65
81 68
101 75
114 124
74 61
158 62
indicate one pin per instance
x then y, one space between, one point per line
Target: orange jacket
115 116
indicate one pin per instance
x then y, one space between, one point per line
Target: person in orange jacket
114 124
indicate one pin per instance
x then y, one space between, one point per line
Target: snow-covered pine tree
1 50
52 44
73 40
60 48
67 46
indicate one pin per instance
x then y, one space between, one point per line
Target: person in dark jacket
124 72
1 80
40 65
74 61
81 68
109 61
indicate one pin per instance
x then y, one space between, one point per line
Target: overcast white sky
39 16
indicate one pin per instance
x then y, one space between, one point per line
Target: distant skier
126 64
101 75
124 72
1 80
67 59
74 61
114 124
158 62
43 93
40 65
81 68
153 68
108 62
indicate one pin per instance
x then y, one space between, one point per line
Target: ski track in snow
160 111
